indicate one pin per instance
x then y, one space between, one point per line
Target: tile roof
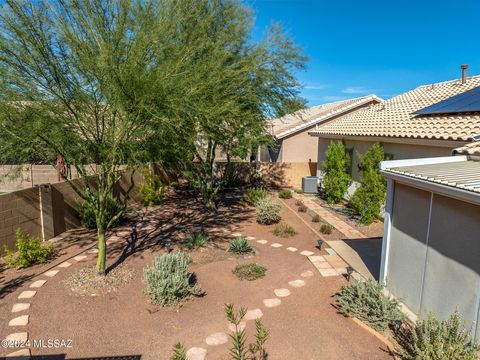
464 175
292 123
469 149
395 118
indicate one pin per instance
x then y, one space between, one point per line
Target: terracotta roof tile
469 149
395 118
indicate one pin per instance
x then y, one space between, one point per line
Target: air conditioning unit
310 184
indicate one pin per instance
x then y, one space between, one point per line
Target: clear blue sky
384 47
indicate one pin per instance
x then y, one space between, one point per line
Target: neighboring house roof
395 117
298 121
469 149
455 172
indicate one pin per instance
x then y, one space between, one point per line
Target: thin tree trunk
102 253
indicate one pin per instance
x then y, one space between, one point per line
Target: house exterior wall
433 255
299 147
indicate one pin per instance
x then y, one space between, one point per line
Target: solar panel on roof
467 101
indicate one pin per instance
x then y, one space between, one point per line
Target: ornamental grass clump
240 246
326 229
302 208
30 251
253 195
169 282
316 218
285 194
284 230
196 239
441 340
268 211
249 272
366 301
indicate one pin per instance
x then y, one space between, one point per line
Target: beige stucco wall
299 147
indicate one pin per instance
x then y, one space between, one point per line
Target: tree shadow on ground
164 227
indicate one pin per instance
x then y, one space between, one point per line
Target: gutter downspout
387 226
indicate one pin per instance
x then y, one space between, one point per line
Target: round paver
242 325
19 321
262 241
20 307
38 283
218 338
253 314
307 253
196 353
27 294
271 302
20 337
296 283
250 238
276 245
292 249
236 234
282 292
307 273
20 354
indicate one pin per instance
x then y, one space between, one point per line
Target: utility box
310 184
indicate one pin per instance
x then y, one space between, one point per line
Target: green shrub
253 195
326 229
30 251
335 172
284 230
316 218
268 211
168 281
113 208
153 189
196 240
302 208
249 272
298 191
285 194
298 202
441 340
368 199
240 246
366 301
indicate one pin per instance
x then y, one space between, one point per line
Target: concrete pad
17 337
38 283
51 273
263 242
80 257
196 353
276 245
269 303
242 325
296 283
22 354
322 265
19 321
292 249
282 292
27 294
64 264
215 339
253 314
307 273
330 251
20 307
250 238
317 258
236 234
328 272
307 253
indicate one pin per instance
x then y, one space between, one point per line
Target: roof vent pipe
464 68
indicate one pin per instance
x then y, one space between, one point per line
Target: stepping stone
20 307
17 337
250 238
292 249
215 339
19 321
20 354
328 272
317 258
269 303
262 242
80 257
242 325
236 234
64 264
330 251
307 253
196 353
253 314
51 273
38 283
322 265
282 292
276 245
296 283
93 251
307 273
27 294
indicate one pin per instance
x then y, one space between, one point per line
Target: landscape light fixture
319 244
349 272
